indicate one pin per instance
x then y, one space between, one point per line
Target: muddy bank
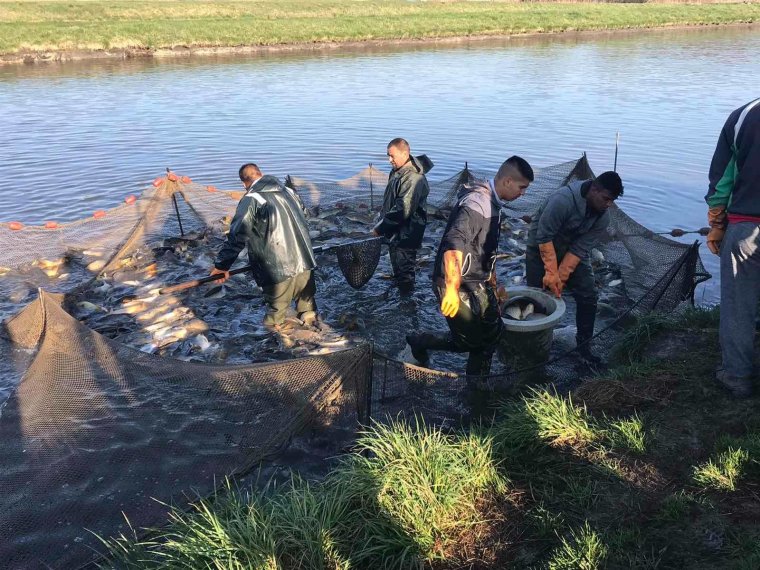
368 46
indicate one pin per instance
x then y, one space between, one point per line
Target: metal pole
179 219
371 192
617 144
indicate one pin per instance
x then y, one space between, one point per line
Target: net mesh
87 429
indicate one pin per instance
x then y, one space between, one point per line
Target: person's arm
236 239
458 234
410 190
553 217
722 177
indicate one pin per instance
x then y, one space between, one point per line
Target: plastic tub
527 343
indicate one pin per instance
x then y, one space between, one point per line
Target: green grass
582 550
406 503
99 24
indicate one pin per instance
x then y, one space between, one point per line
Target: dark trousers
403 262
581 284
300 288
475 328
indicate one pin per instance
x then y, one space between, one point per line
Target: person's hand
714 237
501 295
553 283
225 274
450 302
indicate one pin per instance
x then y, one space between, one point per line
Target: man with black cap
567 226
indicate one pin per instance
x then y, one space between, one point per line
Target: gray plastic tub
528 342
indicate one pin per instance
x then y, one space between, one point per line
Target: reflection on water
79 137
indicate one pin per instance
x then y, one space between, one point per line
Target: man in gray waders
403 217
271 224
464 280
734 216
567 226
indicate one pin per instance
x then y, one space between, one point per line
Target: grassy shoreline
97 26
650 466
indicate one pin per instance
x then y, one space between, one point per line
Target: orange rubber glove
452 266
716 217
552 282
225 274
568 265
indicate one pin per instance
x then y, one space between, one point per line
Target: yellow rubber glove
452 266
716 217
552 281
568 265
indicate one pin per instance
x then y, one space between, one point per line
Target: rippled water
78 137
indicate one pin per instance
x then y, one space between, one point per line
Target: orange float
131 199
51 225
99 214
158 181
211 188
15 226
172 177
186 180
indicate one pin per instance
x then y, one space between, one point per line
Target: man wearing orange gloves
464 281
734 216
567 226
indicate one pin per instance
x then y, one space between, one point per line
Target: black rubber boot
585 316
421 343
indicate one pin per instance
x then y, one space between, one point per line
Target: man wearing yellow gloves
734 216
464 281
567 226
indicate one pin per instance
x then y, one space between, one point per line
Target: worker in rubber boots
464 280
403 217
567 226
733 199
271 224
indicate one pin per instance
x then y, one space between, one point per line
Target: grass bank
651 466
30 27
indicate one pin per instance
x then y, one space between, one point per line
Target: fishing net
94 431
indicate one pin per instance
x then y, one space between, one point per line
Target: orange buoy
186 180
131 199
16 226
51 225
158 181
99 214
211 188
172 177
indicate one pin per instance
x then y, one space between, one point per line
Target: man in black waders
567 226
270 222
464 280
403 217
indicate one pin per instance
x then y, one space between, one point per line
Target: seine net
95 431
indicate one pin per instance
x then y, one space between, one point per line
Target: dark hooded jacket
566 220
473 228
404 216
270 222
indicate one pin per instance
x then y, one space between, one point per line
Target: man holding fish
464 280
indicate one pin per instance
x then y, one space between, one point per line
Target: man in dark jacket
403 215
567 226
270 222
734 216
464 280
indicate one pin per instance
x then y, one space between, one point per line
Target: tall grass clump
428 482
406 502
628 433
583 551
723 472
